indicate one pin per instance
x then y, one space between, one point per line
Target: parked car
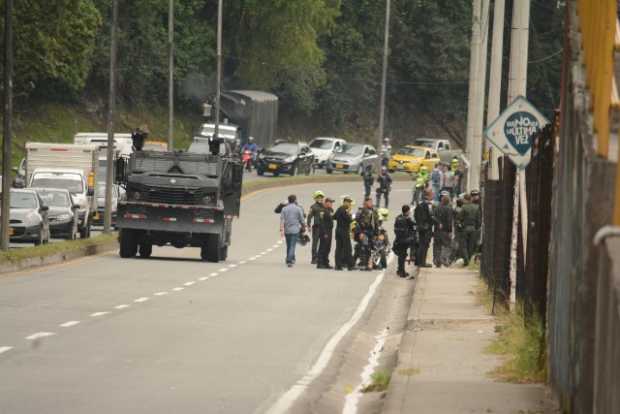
285 158
323 148
62 214
353 158
98 219
410 158
28 217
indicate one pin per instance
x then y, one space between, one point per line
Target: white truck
122 141
68 166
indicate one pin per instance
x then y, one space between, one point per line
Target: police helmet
318 194
383 213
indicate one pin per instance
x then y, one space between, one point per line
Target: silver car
28 217
352 159
63 212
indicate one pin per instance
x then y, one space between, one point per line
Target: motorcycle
379 251
247 158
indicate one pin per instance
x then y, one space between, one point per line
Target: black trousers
386 195
325 246
367 189
471 241
315 243
344 253
422 250
401 263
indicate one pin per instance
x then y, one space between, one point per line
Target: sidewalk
442 364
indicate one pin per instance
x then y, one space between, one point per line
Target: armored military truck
181 199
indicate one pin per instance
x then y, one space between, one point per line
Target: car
353 158
99 214
411 157
324 147
28 217
62 214
285 158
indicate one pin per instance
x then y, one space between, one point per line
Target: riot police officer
313 220
326 226
424 221
343 217
404 230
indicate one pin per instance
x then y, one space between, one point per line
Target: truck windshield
73 184
320 143
23 200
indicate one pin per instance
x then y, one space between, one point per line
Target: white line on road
232 266
4 349
189 283
285 401
69 324
39 335
97 314
123 306
142 299
269 250
242 262
178 289
223 269
202 279
160 293
213 274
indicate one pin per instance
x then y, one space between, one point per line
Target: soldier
424 220
313 221
343 217
369 180
367 224
385 186
444 218
469 218
326 227
404 231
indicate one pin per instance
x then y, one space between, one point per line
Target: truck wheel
146 249
128 242
210 250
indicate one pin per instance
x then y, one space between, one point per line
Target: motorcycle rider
251 149
313 220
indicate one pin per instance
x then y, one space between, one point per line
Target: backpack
436 178
279 208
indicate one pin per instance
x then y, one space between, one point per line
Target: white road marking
251 259
286 400
223 269
39 335
142 299
232 266
352 399
123 306
242 262
202 279
213 274
160 293
69 324
4 349
275 246
178 289
189 283
269 250
97 314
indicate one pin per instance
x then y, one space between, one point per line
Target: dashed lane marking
97 314
213 274
4 349
123 306
39 335
141 300
160 293
232 266
189 283
202 279
178 289
69 324
242 262
223 270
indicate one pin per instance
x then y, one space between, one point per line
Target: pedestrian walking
424 221
313 222
326 227
385 186
469 218
442 238
404 231
344 218
369 180
291 225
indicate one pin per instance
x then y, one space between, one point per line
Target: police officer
475 199
424 220
442 239
404 230
369 180
313 221
343 217
385 186
469 218
326 226
138 136
367 225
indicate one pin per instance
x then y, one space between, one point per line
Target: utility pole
472 104
478 142
171 75
218 87
386 53
8 118
109 179
517 86
495 81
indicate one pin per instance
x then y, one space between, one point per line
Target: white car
324 148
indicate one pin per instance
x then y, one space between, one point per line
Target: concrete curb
95 249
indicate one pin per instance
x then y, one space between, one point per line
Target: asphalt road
174 334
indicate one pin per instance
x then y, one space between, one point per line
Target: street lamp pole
171 76
386 53
218 87
109 179
8 118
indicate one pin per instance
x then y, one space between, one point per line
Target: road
172 333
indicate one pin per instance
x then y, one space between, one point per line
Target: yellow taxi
411 157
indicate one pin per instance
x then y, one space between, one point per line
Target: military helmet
318 194
383 213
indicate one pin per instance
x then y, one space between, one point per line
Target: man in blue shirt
291 224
